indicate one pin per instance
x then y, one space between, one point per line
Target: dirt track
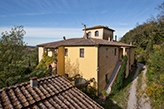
132 102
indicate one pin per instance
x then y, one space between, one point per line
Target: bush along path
132 102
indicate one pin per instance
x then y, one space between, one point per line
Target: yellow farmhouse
96 55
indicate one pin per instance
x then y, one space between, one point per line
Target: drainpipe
98 70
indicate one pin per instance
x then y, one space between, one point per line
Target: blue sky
50 20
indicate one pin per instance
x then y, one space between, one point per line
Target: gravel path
144 105
132 103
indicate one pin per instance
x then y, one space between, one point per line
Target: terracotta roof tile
52 92
99 26
83 42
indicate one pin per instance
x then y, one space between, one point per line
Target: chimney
85 33
109 38
115 37
130 43
33 81
64 38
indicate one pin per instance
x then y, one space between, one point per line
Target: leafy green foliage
17 62
32 56
156 61
155 80
145 36
118 83
47 60
104 93
12 54
149 40
91 91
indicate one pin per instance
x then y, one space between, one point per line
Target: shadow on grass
130 78
108 104
121 96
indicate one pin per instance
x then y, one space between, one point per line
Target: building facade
93 56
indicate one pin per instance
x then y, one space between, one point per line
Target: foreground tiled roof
83 42
52 92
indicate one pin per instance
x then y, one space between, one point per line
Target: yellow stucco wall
61 62
86 67
107 63
93 33
40 54
49 53
103 33
120 53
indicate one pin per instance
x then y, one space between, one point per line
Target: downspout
98 69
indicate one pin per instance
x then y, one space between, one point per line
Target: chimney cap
33 78
33 82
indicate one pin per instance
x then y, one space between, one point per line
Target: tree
12 55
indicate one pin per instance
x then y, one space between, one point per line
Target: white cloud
49 32
53 32
36 36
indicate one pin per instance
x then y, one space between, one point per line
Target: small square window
82 52
66 52
66 75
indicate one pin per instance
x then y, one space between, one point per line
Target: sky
49 20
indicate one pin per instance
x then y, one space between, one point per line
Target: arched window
89 33
96 33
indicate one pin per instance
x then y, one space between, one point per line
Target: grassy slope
120 97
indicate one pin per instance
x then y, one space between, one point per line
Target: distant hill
32 46
145 36
149 41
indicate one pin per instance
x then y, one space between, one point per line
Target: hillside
149 41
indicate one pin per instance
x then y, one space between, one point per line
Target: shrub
118 83
104 93
92 91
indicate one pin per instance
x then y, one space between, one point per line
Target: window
97 33
106 52
89 33
82 52
106 78
83 80
66 52
77 81
66 75
115 51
